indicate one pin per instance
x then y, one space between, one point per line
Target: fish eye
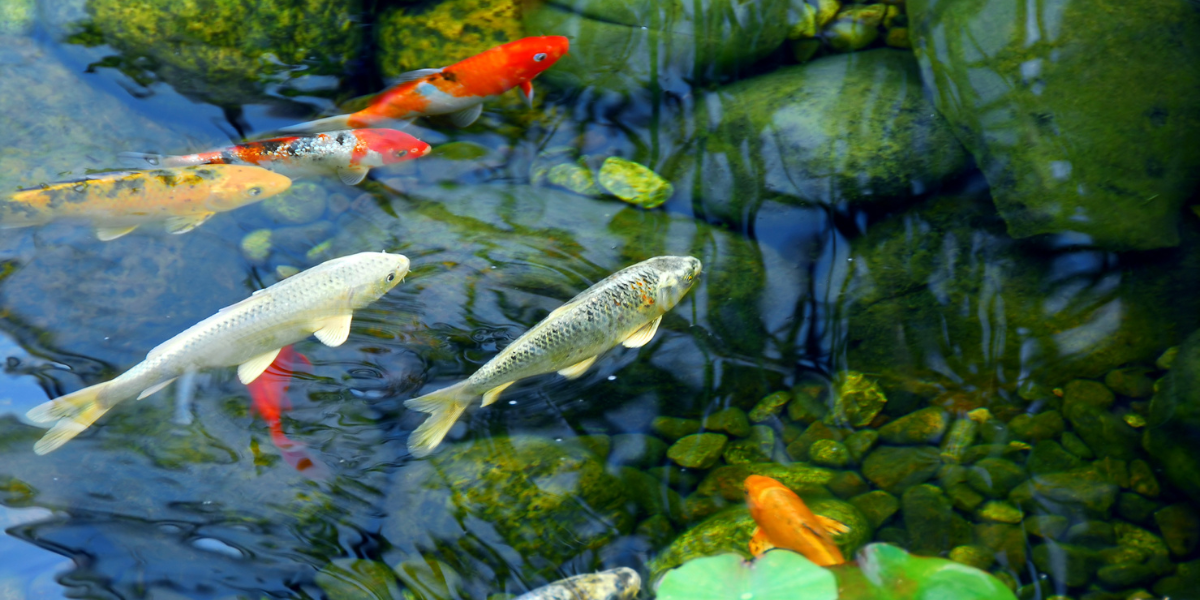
254 191
400 153
391 277
539 57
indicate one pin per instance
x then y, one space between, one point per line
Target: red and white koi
458 90
351 154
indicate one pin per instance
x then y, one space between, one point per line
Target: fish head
387 146
758 487
234 186
370 275
676 276
528 57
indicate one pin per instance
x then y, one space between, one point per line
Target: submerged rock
546 502
634 183
1173 433
697 451
622 46
857 400
227 52
849 127
896 469
1117 83
443 33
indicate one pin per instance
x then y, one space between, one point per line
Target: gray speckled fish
319 301
621 583
624 308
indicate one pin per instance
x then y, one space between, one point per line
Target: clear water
183 495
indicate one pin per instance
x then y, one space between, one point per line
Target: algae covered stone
829 453
541 500
1114 81
896 469
855 27
697 451
728 481
228 52
857 399
634 183
925 426
432 36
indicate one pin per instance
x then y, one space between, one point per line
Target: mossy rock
851 127
227 52
434 35
1118 82
633 46
546 502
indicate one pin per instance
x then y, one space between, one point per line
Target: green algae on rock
227 52
545 501
697 451
1110 80
855 27
727 481
431 36
852 127
634 183
857 399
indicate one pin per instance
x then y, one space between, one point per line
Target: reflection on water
992 219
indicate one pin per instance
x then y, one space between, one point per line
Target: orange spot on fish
784 521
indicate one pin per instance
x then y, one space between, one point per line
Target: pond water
953 206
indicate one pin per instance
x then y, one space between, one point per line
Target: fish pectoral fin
251 369
107 234
578 368
527 92
831 525
178 225
643 335
466 116
414 75
155 388
334 331
493 394
352 175
759 542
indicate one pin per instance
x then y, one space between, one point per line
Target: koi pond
950 290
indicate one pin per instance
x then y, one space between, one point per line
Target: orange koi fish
458 90
785 522
268 396
349 154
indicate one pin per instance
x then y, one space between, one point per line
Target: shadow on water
947 227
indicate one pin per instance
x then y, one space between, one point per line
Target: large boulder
638 45
225 52
1081 114
532 498
943 289
853 127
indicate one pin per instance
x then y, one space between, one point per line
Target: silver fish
319 301
624 308
621 583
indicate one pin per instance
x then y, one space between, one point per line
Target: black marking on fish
450 77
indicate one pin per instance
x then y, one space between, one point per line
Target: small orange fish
458 90
269 398
785 522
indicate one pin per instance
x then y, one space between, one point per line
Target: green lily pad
776 576
898 574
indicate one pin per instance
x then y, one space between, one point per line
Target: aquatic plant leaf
778 575
899 574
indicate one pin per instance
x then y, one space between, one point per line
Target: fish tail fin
333 123
71 415
444 407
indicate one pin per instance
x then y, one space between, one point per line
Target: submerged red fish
784 521
268 396
458 90
350 154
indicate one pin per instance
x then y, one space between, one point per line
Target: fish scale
250 333
623 308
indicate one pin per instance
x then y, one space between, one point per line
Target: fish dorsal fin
831 525
526 89
578 368
643 335
108 234
251 369
184 224
466 116
155 388
352 175
333 331
493 394
414 75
